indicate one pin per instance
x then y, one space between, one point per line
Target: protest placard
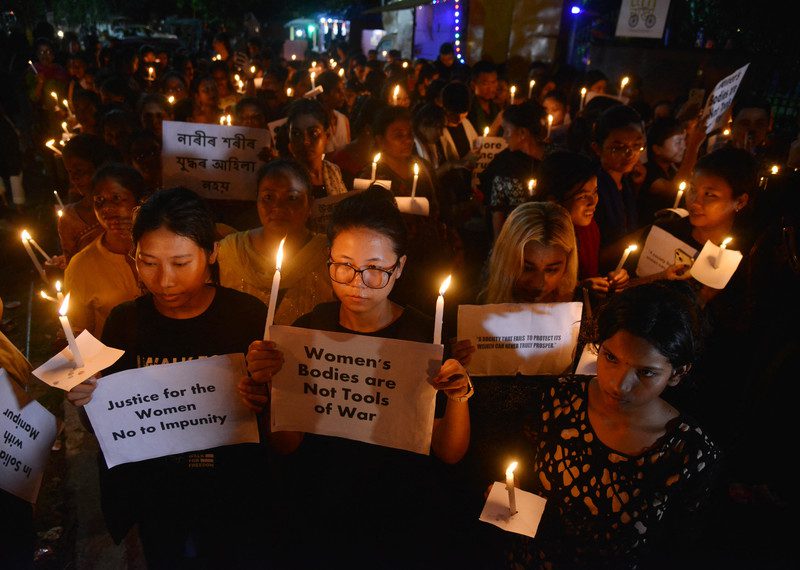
639 19
721 98
357 387
171 408
525 338
61 372
28 431
216 161
488 148
662 250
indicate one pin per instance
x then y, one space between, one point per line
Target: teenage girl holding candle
206 508
351 504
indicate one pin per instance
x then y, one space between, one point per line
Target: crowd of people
676 424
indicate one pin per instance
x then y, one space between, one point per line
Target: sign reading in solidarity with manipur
171 408
218 162
357 387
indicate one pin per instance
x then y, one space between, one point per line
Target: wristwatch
466 396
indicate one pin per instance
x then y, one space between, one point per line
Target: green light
311 29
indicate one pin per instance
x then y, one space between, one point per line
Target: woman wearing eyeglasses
359 505
309 126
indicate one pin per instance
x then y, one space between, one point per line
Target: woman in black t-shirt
359 505
191 508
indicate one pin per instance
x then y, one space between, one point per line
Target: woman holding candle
246 259
625 473
340 485
102 275
309 127
205 508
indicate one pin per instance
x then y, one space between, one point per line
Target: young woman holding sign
356 504
191 508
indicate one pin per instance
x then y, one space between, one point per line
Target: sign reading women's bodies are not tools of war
171 408
357 387
218 162
27 432
511 338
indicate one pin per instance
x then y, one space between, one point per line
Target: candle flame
228 120
60 213
416 169
682 185
54 95
376 158
294 57
396 91
171 99
625 81
510 470
151 71
774 169
58 286
549 120
445 284
725 242
64 125
513 90
65 103
726 132
485 131
289 91
25 235
531 185
235 77
531 83
405 65
222 120
44 295
279 258
632 247
253 69
332 62
50 143
341 72
583 91
313 64
64 306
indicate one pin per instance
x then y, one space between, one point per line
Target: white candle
33 67
531 186
513 93
681 189
722 248
549 125
437 323
59 293
151 74
66 106
273 294
625 254
73 345
375 160
64 127
512 500
583 97
51 144
531 83
313 78
54 95
47 297
416 177
395 93
58 198
26 239
622 84
39 249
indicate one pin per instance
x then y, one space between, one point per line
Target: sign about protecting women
642 19
218 162
357 387
488 148
28 431
721 98
168 409
524 338
662 250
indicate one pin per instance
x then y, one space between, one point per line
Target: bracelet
470 392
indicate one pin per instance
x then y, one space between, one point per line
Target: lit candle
726 132
228 120
222 120
26 241
47 297
531 83
622 84
289 91
33 67
236 77
66 106
549 125
437 323
513 93
73 345
54 95
58 198
722 247
512 500
341 72
395 93
583 97
60 213
332 62
485 132
252 70
775 169
531 186
375 160
414 184
64 127
241 86
151 74
625 254
681 189
171 99
273 294
59 293
294 57
313 64
313 78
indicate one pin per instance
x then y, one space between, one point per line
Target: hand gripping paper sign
171 408
511 338
27 431
661 250
357 387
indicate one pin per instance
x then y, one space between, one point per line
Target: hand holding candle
437 323
73 346
625 254
512 500
416 177
273 294
681 189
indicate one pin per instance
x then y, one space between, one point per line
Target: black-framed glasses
373 277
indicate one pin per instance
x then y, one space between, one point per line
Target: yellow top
98 280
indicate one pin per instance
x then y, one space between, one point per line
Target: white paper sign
662 250
26 435
171 408
60 371
642 19
415 205
530 509
587 365
365 183
721 98
488 148
216 161
525 338
708 272
357 387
